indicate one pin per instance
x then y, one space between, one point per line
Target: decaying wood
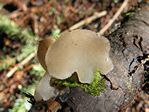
125 80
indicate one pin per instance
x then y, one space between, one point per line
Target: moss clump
95 88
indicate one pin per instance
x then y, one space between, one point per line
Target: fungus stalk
43 90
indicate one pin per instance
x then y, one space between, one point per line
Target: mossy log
128 42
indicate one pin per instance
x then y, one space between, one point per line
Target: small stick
88 20
105 28
26 60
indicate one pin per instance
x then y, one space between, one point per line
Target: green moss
95 88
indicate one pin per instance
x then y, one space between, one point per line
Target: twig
26 60
102 31
77 25
88 20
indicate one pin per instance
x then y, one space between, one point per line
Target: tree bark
128 42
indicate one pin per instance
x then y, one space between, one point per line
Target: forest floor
23 22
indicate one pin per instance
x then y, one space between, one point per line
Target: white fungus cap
80 51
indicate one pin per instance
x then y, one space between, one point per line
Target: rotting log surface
127 43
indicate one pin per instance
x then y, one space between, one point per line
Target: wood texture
128 42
